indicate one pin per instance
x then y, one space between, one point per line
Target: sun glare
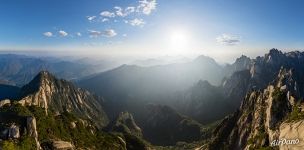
179 41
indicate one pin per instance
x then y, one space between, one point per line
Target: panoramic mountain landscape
151 75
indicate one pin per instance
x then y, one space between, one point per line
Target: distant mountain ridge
20 69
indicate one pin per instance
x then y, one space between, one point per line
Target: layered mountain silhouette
130 84
20 69
249 104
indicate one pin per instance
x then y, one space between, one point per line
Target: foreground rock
62 145
266 117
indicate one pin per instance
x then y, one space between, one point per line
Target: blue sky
218 28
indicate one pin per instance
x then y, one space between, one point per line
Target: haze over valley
151 75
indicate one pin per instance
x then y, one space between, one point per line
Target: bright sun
179 41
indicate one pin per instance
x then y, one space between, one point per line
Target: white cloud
124 12
94 33
62 33
136 22
78 34
124 35
91 18
146 6
48 34
119 11
109 33
105 33
227 39
129 10
107 14
104 20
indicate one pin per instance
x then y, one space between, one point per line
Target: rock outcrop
5 101
62 145
60 95
32 129
13 132
265 117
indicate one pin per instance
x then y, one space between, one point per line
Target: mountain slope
198 101
164 126
265 116
260 72
60 95
139 86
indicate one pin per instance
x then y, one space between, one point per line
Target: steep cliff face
265 117
60 95
32 129
259 72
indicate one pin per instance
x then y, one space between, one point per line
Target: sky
222 29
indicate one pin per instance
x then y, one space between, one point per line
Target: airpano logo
284 141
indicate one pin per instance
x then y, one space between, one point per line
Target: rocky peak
264 116
242 63
274 52
58 95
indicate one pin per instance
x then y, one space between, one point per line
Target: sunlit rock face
62 145
60 95
32 129
5 101
292 131
265 116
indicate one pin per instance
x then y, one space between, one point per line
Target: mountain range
249 104
20 69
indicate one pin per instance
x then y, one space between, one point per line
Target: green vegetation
278 101
279 107
27 142
66 127
8 145
296 114
278 95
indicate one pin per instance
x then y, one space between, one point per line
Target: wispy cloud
124 12
105 33
109 33
146 6
136 22
78 34
48 34
107 14
104 20
91 18
228 39
62 33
